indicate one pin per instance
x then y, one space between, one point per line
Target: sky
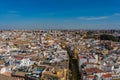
59 14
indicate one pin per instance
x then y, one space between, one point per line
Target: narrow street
74 68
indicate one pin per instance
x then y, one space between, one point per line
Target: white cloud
12 11
99 17
12 15
116 14
93 18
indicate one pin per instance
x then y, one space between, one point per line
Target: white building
26 62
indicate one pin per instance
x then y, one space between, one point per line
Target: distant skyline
60 14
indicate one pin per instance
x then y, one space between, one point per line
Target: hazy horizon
60 14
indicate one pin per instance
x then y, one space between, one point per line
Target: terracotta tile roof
93 70
85 63
19 58
7 74
107 75
90 76
82 56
